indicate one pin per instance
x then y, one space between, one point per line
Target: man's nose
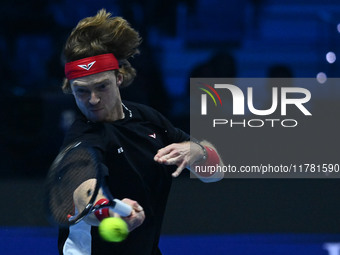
94 98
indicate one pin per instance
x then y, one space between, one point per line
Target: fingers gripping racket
73 183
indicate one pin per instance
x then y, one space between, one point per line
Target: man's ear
120 79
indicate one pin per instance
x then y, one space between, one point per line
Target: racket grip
121 208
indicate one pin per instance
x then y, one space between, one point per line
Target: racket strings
67 173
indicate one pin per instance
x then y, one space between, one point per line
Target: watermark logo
281 99
204 98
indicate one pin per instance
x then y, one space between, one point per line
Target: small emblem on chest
153 135
120 150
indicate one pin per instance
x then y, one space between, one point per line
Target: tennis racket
73 182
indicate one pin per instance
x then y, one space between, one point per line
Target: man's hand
180 154
137 216
81 198
186 155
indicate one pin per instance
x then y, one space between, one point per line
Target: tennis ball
113 229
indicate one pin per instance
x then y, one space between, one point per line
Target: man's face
97 96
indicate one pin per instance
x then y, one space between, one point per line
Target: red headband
91 65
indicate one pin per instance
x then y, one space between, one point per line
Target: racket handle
121 208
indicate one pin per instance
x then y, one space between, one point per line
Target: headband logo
91 65
88 66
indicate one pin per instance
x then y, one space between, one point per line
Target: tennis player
141 149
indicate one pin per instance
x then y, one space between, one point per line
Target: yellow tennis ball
113 229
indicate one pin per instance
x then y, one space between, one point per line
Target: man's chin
95 118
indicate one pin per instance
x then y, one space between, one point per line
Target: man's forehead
92 79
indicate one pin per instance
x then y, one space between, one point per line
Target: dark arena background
181 39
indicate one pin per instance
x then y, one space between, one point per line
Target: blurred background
181 39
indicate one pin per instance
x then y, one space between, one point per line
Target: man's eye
81 91
102 86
